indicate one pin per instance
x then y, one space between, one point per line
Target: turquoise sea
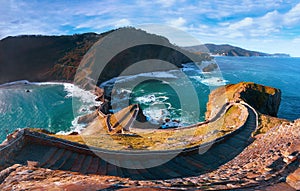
162 95
282 73
51 106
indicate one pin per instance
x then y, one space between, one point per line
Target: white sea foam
155 114
20 82
152 75
84 95
214 81
76 127
146 99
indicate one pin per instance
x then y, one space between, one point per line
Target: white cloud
166 3
241 24
271 23
122 23
296 40
293 16
209 20
177 23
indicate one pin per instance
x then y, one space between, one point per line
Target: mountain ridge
56 58
229 50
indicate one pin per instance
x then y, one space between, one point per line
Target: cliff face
127 47
48 58
264 99
42 58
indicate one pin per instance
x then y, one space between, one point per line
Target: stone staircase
187 163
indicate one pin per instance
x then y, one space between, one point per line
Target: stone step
59 163
178 168
181 161
196 164
69 163
85 164
169 171
51 152
155 173
102 168
137 171
77 163
143 173
112 169
93 166
207 159
54 158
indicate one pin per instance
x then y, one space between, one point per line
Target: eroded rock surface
264 99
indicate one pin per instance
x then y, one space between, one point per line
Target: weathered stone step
54 158
69 163
196 164
77 163
177 168
181 161
59 163
111 169
162 172
134 172
92 169
102 168
51 152
85 164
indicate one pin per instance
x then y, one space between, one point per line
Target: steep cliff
264 99
56 58
43 58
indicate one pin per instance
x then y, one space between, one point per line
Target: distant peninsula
229 50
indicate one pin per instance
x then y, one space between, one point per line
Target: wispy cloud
208 20
178 23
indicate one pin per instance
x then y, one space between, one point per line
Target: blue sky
265 25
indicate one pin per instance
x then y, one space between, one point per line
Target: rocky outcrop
264 99
56 58
126 47
43 58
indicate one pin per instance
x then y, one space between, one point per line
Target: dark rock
87 118
73 133
105 107
140 116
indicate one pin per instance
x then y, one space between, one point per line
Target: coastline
237 171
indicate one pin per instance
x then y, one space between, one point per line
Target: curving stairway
64 155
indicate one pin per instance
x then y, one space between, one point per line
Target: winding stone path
56 153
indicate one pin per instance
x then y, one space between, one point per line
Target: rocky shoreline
270 160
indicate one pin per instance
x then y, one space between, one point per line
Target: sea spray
53 106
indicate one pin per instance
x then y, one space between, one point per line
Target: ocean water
177 95
51 106
282 73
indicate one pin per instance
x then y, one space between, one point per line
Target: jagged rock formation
264 99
